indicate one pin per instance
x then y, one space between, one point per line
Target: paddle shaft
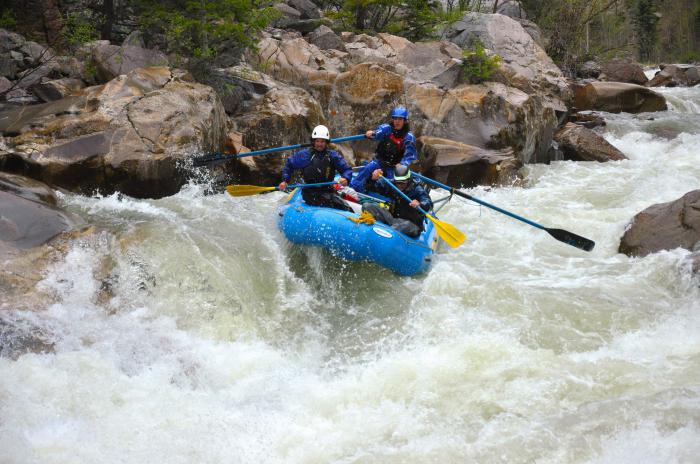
481 202
405 197
319 184
215 157
562 235
449 233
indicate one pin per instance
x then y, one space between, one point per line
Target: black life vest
401 208
390 150
320 168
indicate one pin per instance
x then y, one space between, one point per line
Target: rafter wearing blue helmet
397 145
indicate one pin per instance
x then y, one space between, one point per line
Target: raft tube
378 243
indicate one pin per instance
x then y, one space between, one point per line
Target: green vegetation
78 29
205 28
477 65
413 19
7 19
651 31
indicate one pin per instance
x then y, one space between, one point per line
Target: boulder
534 31
306 8
5 85
676 75
664 226
57 88
461 165
524 64
296 62
586 119
623 71
8 66
616 97
26 219
285 116
27 188
692 75
579 143
112 60
590 70
324 38
244 88
130 135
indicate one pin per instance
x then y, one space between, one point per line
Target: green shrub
477 65
204 29
7 19
79 29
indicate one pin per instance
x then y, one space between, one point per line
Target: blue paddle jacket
408 145
408 155
399 207
302 159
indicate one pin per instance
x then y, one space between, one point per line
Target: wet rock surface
664 227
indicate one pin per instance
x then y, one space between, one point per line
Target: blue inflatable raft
378 243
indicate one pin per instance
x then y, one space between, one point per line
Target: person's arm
423 198
381 132
410 153
341 165
293 163
361 177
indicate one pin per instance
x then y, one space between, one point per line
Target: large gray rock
26 219
692 75
130 135
325 39
616 97
623 71
579 143
244 88
8 66
285 116
524 65
57 88
461 165
664 227
112 60
5 85
676 75
590 70
306 8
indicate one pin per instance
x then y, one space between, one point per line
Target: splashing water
188 330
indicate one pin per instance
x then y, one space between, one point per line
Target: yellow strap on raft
364 218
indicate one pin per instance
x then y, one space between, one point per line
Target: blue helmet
399 112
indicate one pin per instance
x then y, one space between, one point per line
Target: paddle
562 235
247 190
216 157
449 233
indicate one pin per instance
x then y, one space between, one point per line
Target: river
187 330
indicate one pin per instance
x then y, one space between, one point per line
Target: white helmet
320 132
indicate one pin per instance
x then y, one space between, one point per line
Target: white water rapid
188 331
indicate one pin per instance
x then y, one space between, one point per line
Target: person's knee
370 207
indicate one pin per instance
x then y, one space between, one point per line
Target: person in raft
397 146
401 215
318 164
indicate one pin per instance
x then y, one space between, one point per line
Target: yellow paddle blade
246 190
449 233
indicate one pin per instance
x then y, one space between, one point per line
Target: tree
646 20
204 28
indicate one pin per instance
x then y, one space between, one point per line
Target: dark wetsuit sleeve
340 165
423 198
294 162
